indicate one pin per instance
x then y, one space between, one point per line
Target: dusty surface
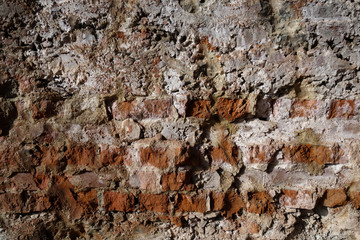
187 119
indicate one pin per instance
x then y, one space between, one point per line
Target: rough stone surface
180 119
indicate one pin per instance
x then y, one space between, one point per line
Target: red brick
37 203
176 181
305 108
113 156
302 199
11 203
154 202
23 181
157 108
122 202
154 156
88 201
232 109
260 202
42 180
177 221
144 180
225 153
189 156
229 203
9 159
342 109
261 153
43 109
307 153
49 156
65 199
188 203
334 197
217 201
123 110
198 109
81 155
23 202
148 108
354 198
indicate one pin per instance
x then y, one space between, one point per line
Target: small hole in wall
117 135
182 39
202 1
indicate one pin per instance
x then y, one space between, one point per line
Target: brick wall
179 120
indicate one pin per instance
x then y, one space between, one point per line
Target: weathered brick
49 156
65 199
225 153
261 153
229 203
156 157
260 202
306 108
37 203
11 203
354 196
162 154
88 201
190 203
42 180
86 180
44 109
123 202
24 181
190 156
302 199
198 108
24 202
113 156
157 108
81 155
147 108
144 180
154 202
176 181
342 109
232 109
307 153
334 197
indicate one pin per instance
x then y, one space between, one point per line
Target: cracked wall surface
186 119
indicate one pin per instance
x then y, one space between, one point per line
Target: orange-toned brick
176 181
260 202
154 202
198 108
342 109
261 153
225 152
307 153
88 201
123 202
232 109
81 155
334 197
114 156
355 198
302 199
229 203
188 203
156 157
